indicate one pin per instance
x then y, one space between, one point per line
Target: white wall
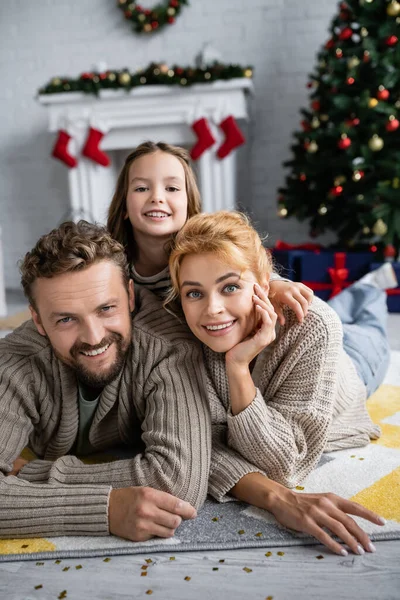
45 38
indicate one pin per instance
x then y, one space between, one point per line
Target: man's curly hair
70 247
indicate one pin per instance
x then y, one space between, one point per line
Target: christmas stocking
205 138
60 149
91 148
233 137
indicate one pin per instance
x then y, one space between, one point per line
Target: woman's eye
193 294
230 288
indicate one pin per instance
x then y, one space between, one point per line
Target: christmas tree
345 172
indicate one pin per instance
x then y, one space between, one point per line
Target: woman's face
217 300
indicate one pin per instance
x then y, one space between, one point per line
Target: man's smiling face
86 317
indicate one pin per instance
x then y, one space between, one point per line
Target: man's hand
17 465
140 513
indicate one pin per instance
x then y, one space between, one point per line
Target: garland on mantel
148 20
154 74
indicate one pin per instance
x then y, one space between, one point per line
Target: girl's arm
310 513
293 294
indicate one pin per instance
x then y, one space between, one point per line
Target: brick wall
39 40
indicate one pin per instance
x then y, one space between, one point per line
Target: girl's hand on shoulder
290 293
262 335
316 513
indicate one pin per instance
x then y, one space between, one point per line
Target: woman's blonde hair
118 225
229 236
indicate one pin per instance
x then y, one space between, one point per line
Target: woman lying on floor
281 393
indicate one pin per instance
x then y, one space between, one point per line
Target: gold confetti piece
148 560
353 456
280 553
215 519
299 487
57 562
259 534
62 595
78 567
39 564
268 554
66 568
319 556
143 574
241 531
144 567
360 459
269 598
149 592
172 558
106 559
38 587
188 578
222 560
215 569
247 570
25 546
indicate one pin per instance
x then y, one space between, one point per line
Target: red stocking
205 138
60 149
91 148
233 136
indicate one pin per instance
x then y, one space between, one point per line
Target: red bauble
383 94
336 191
352 122
389 252
350 80
346 33
103 75
373 248
303 177
154 24
171 20
392 125
305 125
174 3
329 44
87 76
128 14
316 105
344 143
391 40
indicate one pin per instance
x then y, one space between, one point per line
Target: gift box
393 296
328 272
287 258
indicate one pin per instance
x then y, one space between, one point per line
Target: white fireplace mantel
158 113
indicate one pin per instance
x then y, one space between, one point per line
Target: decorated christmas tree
345 172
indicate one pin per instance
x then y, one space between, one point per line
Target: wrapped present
393 295
287 258
328 273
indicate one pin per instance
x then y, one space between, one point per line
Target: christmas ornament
205 138
380 228
282 212
91 148
366 56
352 122
389 253
392 124
374 248
391 40
393 9
316 105
372 102
346 33
322 210
312 147
339 180
364 31
353 62
315 123
233 136
329 44
324 118
124 78
383 93
146 20
60 149
305 125
357 175
336 191
344 143
366 230
376 143
339 53
350 80
303 177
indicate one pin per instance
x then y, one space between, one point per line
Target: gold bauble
366 230
339 180
111 77
56 81
207 75
183 81
147 28
360 197
372 102
171 72
141 17
312 147
380 227
356 176
376 143
248 73
124 78
171 11
315 123
353 62
322 210
164 68
143 80
397 104
393 9
324 118
364 31
282 212
396 183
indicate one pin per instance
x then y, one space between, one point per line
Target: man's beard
99 379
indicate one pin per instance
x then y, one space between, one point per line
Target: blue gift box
393 296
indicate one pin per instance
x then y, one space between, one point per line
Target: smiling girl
156 194
281 394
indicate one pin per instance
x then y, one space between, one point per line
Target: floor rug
369 475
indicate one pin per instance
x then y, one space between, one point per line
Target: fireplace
158 113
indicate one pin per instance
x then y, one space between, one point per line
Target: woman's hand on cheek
262 335
293 294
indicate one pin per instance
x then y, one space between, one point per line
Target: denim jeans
363 312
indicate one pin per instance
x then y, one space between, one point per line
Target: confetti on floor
149 592
222 560
247 570
107 559
38 587
188 578
62 595
241 531
148 560
280 553
320 557
215 569
66 568
143 574
268 554
78 567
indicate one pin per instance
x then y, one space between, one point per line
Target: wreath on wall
148 20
